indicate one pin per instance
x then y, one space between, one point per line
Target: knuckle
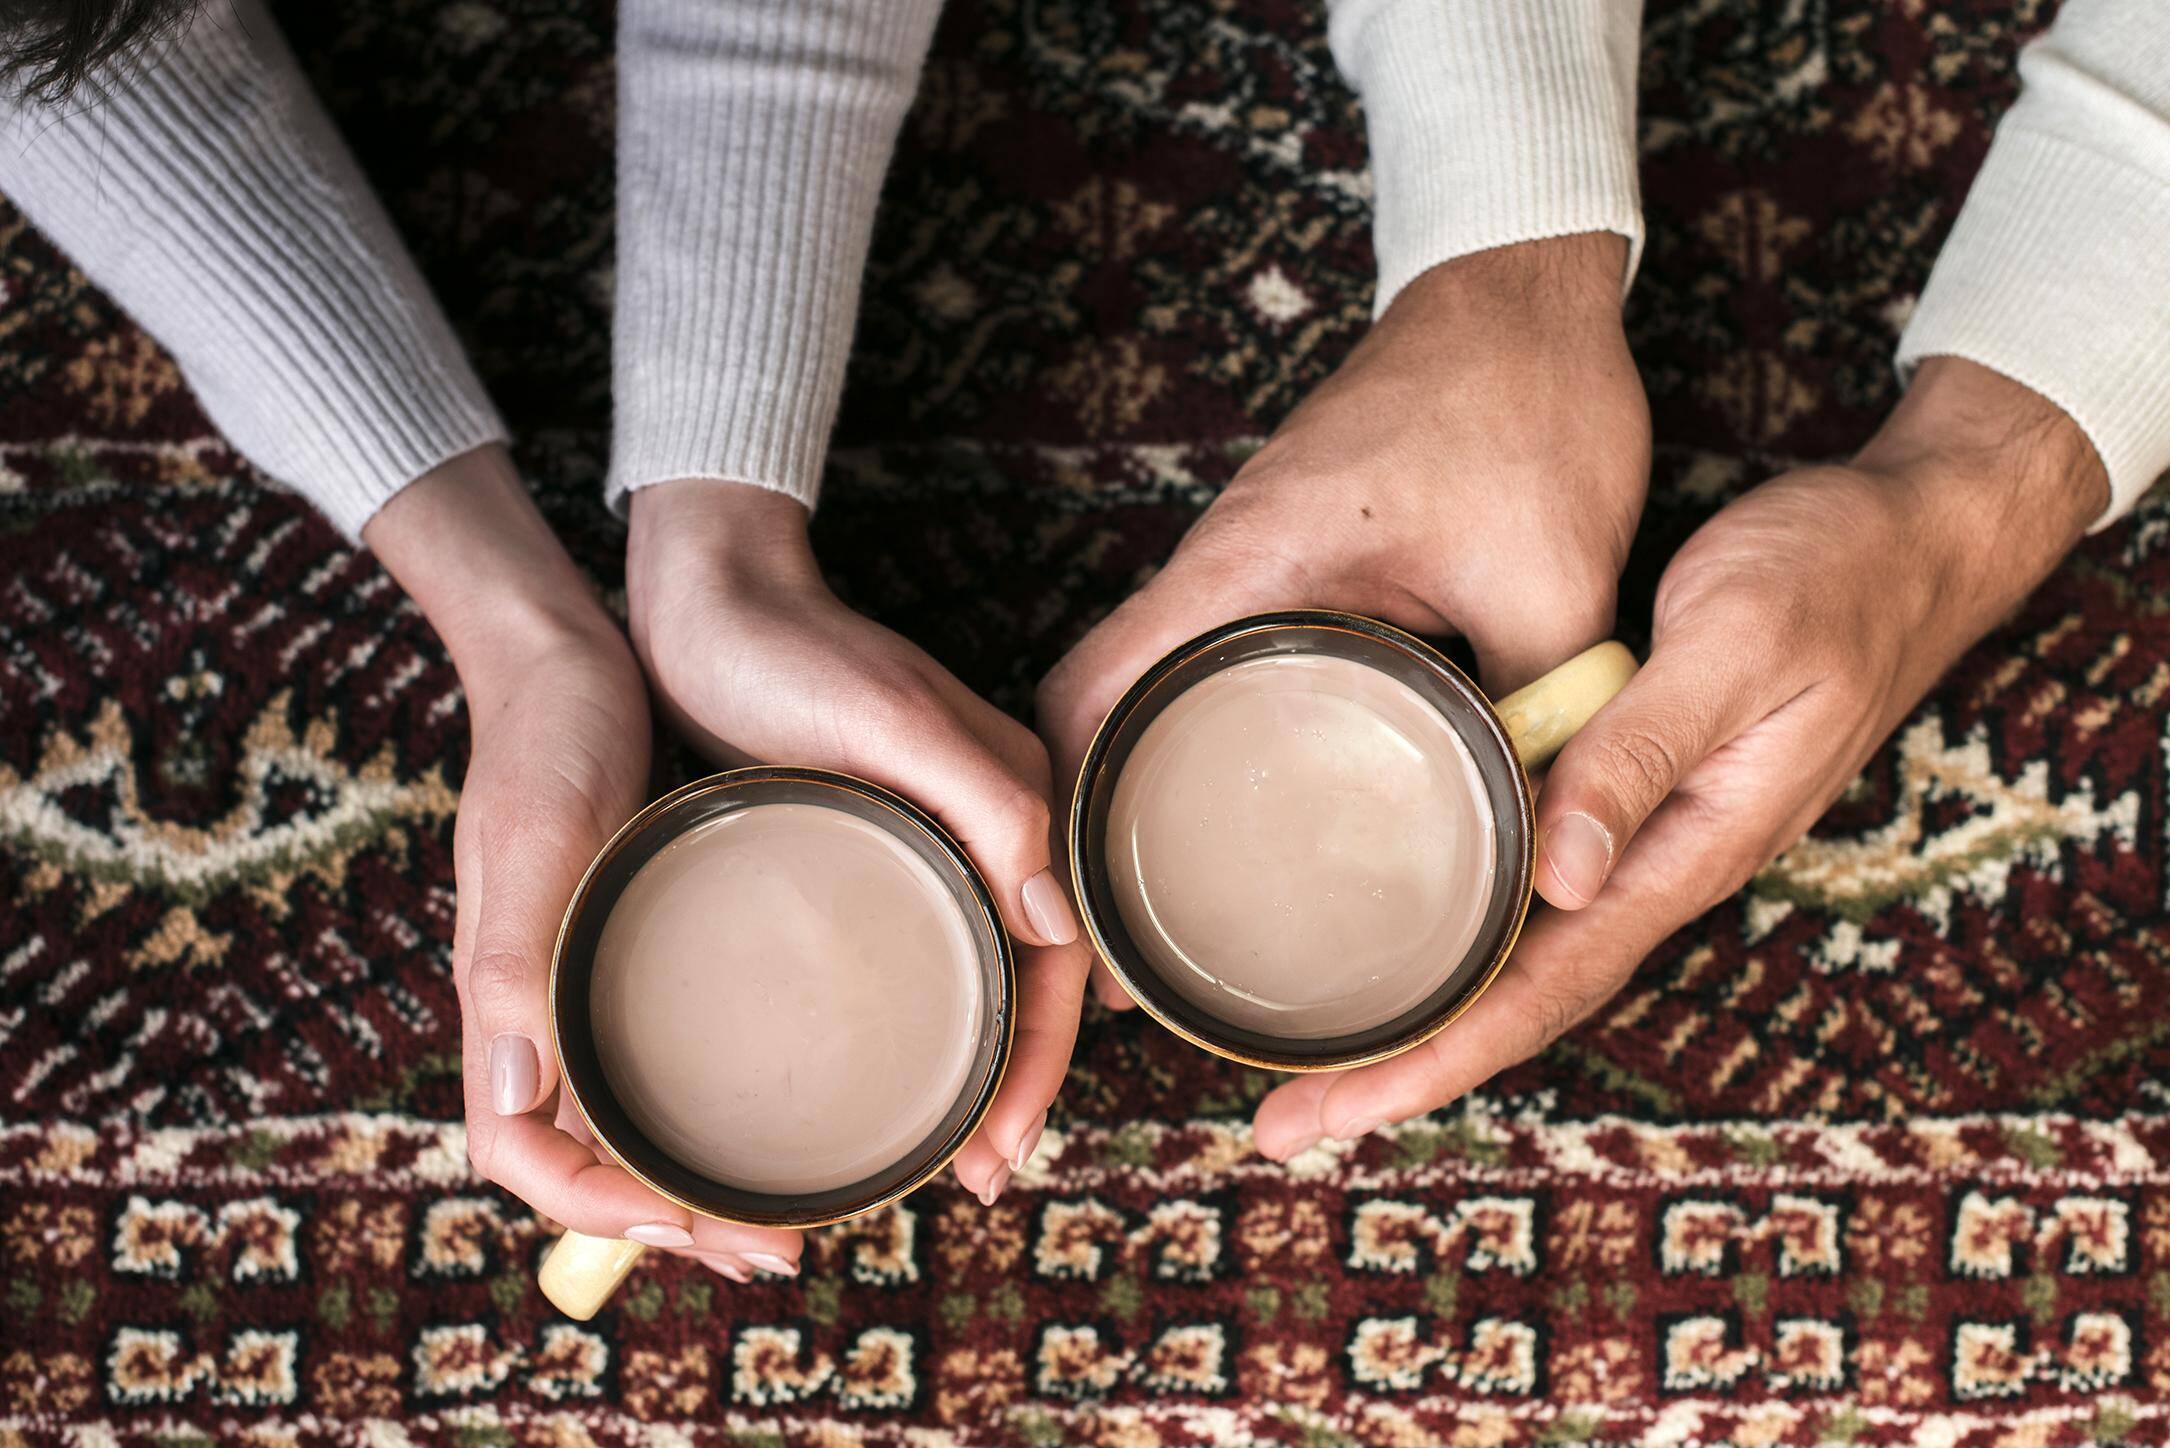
1640 763
895 705
1026 813
1559 1007
499 980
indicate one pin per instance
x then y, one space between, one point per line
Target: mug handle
581 1272
1542 716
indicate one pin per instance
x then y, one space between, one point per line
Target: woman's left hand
1791 635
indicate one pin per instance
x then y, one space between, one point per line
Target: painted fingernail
770 1262
1047 909
728 1265
659 1234
994 1186
1364 1126
515 1073
1027 1143
1297 1147
1579 849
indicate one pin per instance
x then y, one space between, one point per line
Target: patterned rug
1874 1153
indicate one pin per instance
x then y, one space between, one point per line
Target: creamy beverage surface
786 999
1302 846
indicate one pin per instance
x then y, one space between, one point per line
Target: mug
581 1272
1507 740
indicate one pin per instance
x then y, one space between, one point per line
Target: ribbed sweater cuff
753 137
2057 275
212 198
1493 122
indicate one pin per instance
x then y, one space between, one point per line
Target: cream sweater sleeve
752 140
1491 122
209 195
2057 273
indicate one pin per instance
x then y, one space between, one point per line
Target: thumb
520 886
1684 703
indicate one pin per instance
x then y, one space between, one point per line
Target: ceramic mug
581 1272
1506 740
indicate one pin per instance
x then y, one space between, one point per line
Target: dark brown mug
581 1272
1506 740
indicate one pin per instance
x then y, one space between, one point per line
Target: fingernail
1027 1142
770 1262
1579 849
1355 1129
994 1186
1047 909
1301 1145
515 1073
728 1265
659 1234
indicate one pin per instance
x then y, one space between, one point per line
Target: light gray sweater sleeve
208 194
2057 273
752 140
1492 122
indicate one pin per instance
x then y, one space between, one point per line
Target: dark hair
49 47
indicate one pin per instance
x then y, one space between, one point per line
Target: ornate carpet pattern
1875 1153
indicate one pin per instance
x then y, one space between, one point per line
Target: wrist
1562 281
466 543
743 526
705 533
1998 482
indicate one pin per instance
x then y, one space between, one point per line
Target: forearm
753 137
1493 122
209 195
2057 274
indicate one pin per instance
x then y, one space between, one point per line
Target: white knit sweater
211 197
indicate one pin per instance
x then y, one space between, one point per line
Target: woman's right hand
559 719
753 658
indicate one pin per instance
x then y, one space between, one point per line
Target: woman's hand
1477 466
560 759
1791 635
752 657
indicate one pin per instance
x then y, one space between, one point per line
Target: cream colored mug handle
582 1272
1543 716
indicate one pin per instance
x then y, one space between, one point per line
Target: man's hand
560 760
753 657
1477 466
1791 635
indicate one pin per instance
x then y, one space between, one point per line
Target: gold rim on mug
581 1272
1508 739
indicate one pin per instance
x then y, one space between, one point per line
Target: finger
516 870
1045 895
1287 1121
1694 695
1511 1021
1000 731
1564 967
1050 992
723 1264
1109 991
562 1179
1521 645
766 1249
996 809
